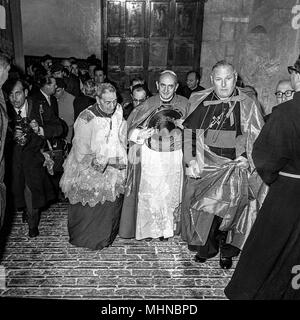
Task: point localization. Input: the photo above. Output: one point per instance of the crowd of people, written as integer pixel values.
(205, 164)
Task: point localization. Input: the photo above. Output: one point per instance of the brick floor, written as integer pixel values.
(49, 267)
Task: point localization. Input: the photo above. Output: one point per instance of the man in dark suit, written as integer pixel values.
(30, 186)
(72, 82)
(46, 115)
(192, 84)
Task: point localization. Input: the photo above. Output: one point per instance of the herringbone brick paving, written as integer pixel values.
(49, 267)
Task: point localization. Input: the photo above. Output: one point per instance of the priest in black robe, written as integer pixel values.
(269, 265)
(219, 199)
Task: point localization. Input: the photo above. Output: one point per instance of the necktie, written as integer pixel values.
(19, 114)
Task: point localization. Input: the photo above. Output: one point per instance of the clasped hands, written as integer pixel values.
(113, 162)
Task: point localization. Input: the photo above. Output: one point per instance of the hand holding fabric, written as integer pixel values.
(178, 123)
(242, 162)
(193, 170)
(146, 133)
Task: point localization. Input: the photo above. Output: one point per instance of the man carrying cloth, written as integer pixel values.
(220, 190)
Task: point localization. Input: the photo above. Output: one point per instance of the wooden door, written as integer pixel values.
(144, 37)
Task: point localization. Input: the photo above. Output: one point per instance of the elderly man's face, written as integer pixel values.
(18, 95)
(166, 87)
(107, 102)
(284, 92)
(223, 79)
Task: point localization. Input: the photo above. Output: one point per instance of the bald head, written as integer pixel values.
(167, 85)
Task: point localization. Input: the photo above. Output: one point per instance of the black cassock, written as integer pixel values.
(267, 264)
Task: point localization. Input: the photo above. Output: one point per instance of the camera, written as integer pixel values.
(21, 131)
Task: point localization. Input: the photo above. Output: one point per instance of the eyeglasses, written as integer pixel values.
(292, 69)
(287, 93)
(139, 100)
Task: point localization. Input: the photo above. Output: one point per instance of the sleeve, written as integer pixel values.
(272, 149)
(123, 133)
(50, 123)
(134, 136)
(82, 139)
(52, 126)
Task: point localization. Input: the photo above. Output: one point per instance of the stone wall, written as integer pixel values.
(257, 36)
(61, 28)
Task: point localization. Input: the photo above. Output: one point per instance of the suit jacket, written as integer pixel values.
(25, 164)
(46, 115)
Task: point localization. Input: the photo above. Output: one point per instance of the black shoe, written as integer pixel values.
(199, 259)
(34, 232)
(163, 239)
(225, 263)
(24, 216)
(148, 239)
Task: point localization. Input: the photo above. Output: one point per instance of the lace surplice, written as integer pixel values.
(102, 139)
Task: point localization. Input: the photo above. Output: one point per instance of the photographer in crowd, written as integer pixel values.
(30, 186)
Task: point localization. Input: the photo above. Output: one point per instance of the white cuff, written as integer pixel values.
(133, 136)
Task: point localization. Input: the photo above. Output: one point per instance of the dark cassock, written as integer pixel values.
(219, 207)
(271, 253)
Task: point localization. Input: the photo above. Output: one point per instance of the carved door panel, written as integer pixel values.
(144, 37)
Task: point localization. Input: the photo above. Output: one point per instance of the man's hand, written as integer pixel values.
(193, 170)
(146, 133)
(18, 133)
(178, 123)
(36, 128)
(242, 162)
(96, 165)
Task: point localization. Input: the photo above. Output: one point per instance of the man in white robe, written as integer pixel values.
(154, 183)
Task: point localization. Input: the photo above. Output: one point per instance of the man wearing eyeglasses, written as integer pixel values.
(271, 253)
(284, 91)
(138, 95)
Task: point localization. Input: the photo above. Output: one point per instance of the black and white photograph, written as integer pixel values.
(149, 155)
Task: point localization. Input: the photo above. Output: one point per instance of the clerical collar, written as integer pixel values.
(103, 113)
(234, 92)
(166, 102)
